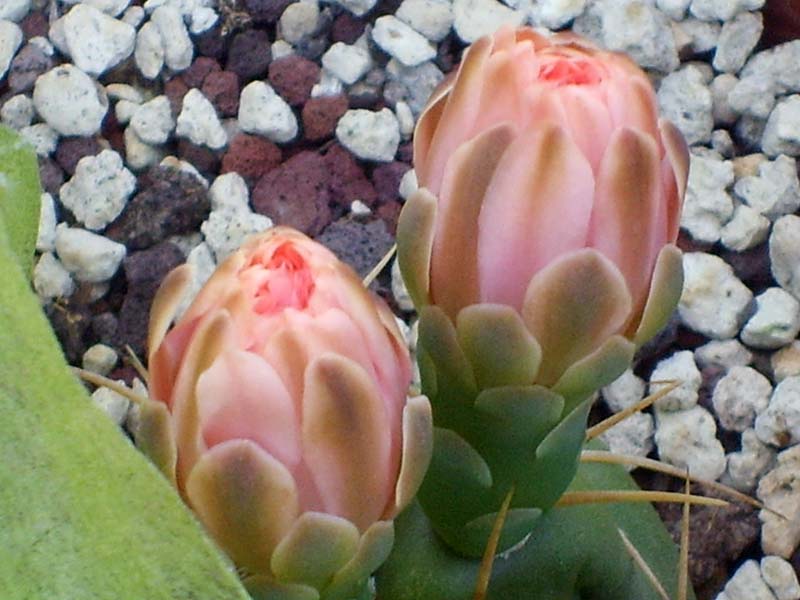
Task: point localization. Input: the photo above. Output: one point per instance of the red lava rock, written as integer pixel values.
(202, 158)
(386, 179)
(70, 324)
(347, 179)
(320, 116)
(405, 152)
(71, 150)
(197, 72)
(389, 212)
(50, 174)
(175, 89)
(346, 28)
(781, 21)
(174, 202)
(28, 64)
(35, 24)
(144, 271)
(296, 193)
(251, 157)
(266, 11)
(222, 90)
(249, 54)
(293, 77)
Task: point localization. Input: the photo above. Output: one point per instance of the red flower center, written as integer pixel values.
(568, 71)
(285, 281)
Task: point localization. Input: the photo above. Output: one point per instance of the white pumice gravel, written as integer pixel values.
(88, 256)
(739, 396)
(401, 42)
(708, 206)
(199, 123)
(263, 112)
(110, 7)
(631, 437)
(775, 191)
(99, 190)
(779, 424)
(432, 18)
(724, 354)
(149, 53)
(178, 48)
(784, 253)
(51, 279)
(10, 41)
(779, 490)
(14, 10)
(736, 40)
(688, 440)
(347, 62)
(747, 584)
(299, 21)
(229, 191)
(781, 578)
(138, 154)
(226, 229)
(100, 359)
(42, 137)
(625, 391)
(368, 134)
(70, 101)
(94, 41)
(776, 321)
(114, 405)
(17, 112)
(786, 362)
(399, 290)
(684, 99)
(746, 466)
(475, 18)
(782, 131)
(678, 367)
(714, 301)
(153, 121)
(746, 229)
(46, 235)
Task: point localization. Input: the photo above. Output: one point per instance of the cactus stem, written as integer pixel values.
(136, 363)
(100, 381)
(608, 423)
(683, 560)
(376, 270)
(603, 456)
(485, 572)
(611, 496)
(640, 562)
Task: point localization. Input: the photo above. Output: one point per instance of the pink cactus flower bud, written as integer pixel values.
(549, 184)
(285, 381)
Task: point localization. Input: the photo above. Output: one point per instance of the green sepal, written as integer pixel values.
(154, 436)
(316, 547)
(415, 228)
(665, 290)
(261, 587)
(598, 369)
(373, 550)
(498, 345)
(573, 553)
(455, 382)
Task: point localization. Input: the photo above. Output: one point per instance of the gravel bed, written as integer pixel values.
(168, 130)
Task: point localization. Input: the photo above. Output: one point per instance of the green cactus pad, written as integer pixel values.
(573, 553)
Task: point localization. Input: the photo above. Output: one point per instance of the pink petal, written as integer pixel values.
(536, 208)
(242, 397)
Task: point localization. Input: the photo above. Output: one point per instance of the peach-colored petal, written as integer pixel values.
(242, 397)
(537, 207)
(455, 243)
(589, 121)
(675, 173)
(629, 221)
(344, 441)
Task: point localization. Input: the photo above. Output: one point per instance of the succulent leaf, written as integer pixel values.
(417, 449)
(415, 229)
(373, 549)
(665, 291)
(519, 523)
(246, 498)
(499, 346)
(153, 435)
(261, 587)
(572, 306)
(314, 549)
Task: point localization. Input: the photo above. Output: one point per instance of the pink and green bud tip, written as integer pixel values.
(540, 252)
(281, 416)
